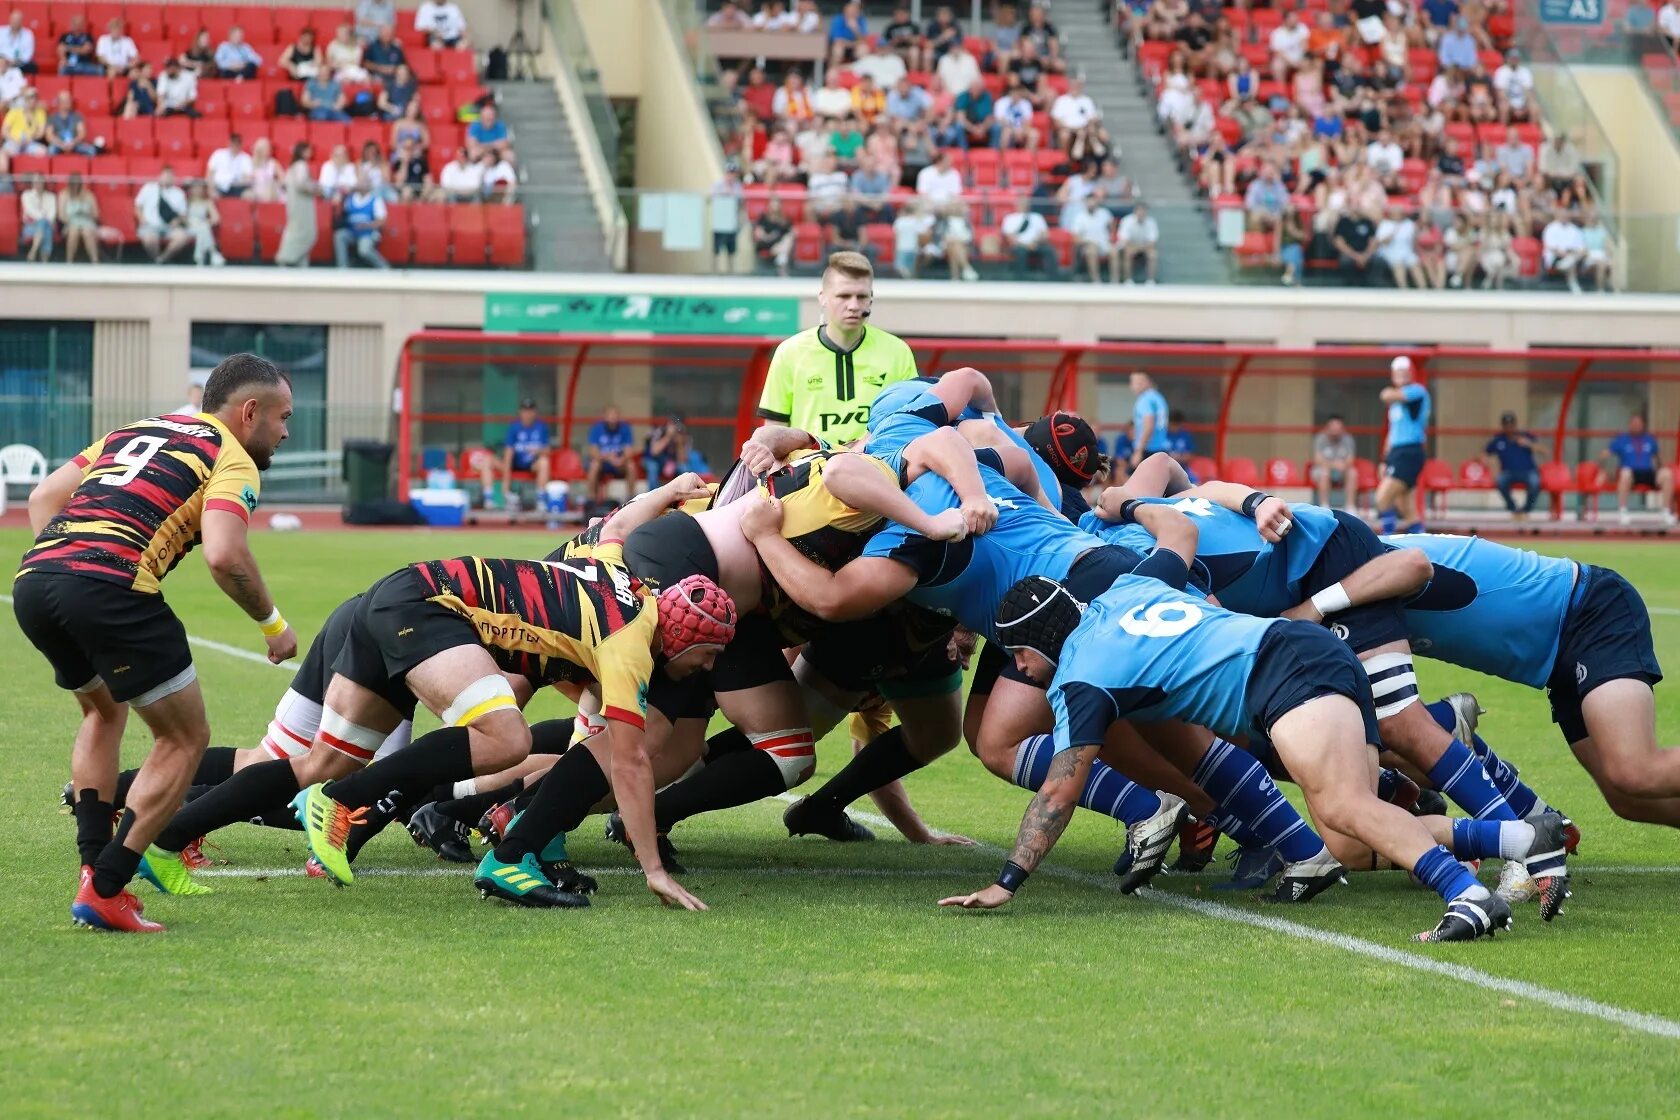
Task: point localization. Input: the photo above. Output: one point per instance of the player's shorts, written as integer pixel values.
(1606, 637)
(669, 549)
(690, 698)
(886, 654)
(1298, 662)
(609, 470)
(396, 627)
(92, 630)
(1093, 573)
(1644, 476)
(752, 658)
(1405, 463)
(297, 717)
(523, 462)
(1351, 546)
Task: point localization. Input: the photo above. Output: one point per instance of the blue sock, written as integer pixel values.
(1441, 873)
(1245, 795)
(1107, 791)
(1460, 776)
(1523, 801)
(1239, 832)
(1475, 839)
(1390, 521)
(1415, 527)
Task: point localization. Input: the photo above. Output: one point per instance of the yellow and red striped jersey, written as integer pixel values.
(582, 619)
(140, 505)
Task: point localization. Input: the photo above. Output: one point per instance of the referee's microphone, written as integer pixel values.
(865, 313)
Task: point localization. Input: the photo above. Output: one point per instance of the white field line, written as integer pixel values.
(462, 869)
(1535, 993)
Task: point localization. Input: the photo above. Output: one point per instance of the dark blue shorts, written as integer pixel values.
(1606, 637)
(1405, 463)
(523, 462)
(1352, 546)
(1298, 662)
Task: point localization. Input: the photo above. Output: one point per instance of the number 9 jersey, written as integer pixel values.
(140, 506)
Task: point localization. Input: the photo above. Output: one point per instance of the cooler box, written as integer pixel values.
(440, 507)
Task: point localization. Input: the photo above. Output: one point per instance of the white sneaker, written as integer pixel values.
(1515, 883)
(1624, 517)
(969, 274)
(217, 260)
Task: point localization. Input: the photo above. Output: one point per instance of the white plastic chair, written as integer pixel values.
(22, 465)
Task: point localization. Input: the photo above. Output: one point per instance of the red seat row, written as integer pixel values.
(564, 464)
(219, 99)
(1588, 479)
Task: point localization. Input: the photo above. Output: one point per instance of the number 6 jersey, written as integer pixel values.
(140, 506)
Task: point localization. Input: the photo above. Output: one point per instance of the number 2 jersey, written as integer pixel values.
(582, 619)
(140, 506)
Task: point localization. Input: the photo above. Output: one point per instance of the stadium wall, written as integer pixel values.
(1649, 159)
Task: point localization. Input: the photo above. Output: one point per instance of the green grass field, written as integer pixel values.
(824, 981)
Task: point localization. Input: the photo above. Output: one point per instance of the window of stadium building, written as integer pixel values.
(46, 386)
(300, 350)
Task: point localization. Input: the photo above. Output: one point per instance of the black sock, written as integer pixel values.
(124, 781)
(883, 761)
(93, 824)
(561, 801)
(469, 809)
(115, 865)
(728, 741)
(738, 778)
(255, 791)
(523, 801)
(279, 815)
(440, 757)
(394, 805)
(215, 767)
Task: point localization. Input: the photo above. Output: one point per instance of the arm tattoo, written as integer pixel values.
(1047, 817)
(246, 590)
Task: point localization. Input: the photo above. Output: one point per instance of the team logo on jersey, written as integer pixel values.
(814, 382)
(1161, 620)
(835, 419)
(1580, 673)
(249, 497)
(1194, 507)
(1339, 630)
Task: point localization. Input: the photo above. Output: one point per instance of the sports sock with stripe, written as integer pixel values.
(469, 810)
(561, 801)
(1441, 873)
(1460, 776)
(258, 790)
(1524, 801)
(1107, 791)
(438, 757)
(1487, 839)
(1246, 796)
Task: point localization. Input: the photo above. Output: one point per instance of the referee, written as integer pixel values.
(823, 380)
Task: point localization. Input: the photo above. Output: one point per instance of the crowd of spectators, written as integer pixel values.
(363, 74)
(927, 146)
(1395, 143)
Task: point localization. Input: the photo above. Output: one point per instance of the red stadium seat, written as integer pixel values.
(469, 239)
(322, 251)
(64, 166)
(458, 67)
(1282, 472)
(211, 101)
(208, 135)
(1242, 471)
(1556, 479)
(92, 95)
(146, 21)
(473, 461)
(431, 233)
(9, 225)
(566, 465)
(396, 243)
(1434, 481)
(1366, 472)
(134, 137)
(1590, 482)
(1062, 241)
(807, 244)
(236, 236)
(1473, 474)
(271, 223)
(174, 138)
(25, 166)
(1020, 168)
(984, 168)
(1528, 251)
(246, 102)
(506, 225)
(1203, 468)
(424, 62)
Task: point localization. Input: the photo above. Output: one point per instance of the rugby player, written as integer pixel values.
(1145, 648)
(110, 525)
(1403, 445)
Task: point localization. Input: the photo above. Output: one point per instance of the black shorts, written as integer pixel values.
(395, 628)
(316, 672)
(690, 698)
(1093, 573)
(724, 242)
(1405, 463)
(1350, 547)
(1297, 662)
(1644, 476)
(93, 630)
(1606, 637)
(898, 653)
(669, 549)
(753, 656)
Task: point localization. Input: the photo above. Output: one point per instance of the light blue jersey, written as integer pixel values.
(904, 411)
(1146, 651)
(1245, 571)
(1489, 607)
(967, 580)
(1150, 403)
(1047, 480)
(1408, 419)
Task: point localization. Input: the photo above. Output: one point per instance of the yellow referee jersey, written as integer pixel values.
(817, 387)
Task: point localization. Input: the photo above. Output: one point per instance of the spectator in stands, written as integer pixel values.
(1181, 443)
(872, 187)
(199, 59)
(372, 16)
(903, 38)
(1149, 418)
(845, 142)
(917, 152)
(373, 167)
(1560, 162)
(1332, 465)
(612, 453)
(843, 231)
(1027, 236)
(1078, 121)
(398, 95)
(1510, 456)
(1397, 248)
(669, 450)
(777, 162)
(1668, 23)
(344, 55)
(23, 129)
(1028, 66)
(78, 209)
(266, 172)
(1092, 228)
(1513, 82)
(489, 132)
(1494, 251)
(868, 100)
(12, 81)
(1288, 45)
(176, 91)
(1192, 132)
(758, 94)
(525, 448)
(76, 57)
(160, 212)
(957, 69)
(323, 98)
(17, 43)
(1639, 463)
(40, 215)
(1515, 158)
(202, 220)
(805, 18)
(1385, 158)
(848, 34)
(940, 183)
(944, 34)
(1562, 249)
(364, 218)
(1071, 195)
(338, 174)
(141, 100)
(1596, 238)
(952, 241)
(115, 50)
(1139, 236)
(1266, 199)
(774, 16)
(1041, 33)
(826, 186)
(912, 230)
(729, 17)
(1119, 192)
(792, 102)
(67, 130)
(773, 236)
(831, 100)
(907, 103)
(235, 58)
(230, 169)
(1457, 47)
(1012, 118)
(499, 177)
(410, 174)
(1355, 242)
(974, 117)
(442, 23)
(724, 214)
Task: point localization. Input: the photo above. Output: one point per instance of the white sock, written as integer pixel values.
(1515, 838)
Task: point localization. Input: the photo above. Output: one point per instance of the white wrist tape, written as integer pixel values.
(1332, 599)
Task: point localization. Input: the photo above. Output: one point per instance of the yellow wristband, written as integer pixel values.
(273, 624)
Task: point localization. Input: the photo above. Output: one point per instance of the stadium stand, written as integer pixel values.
(126, 138)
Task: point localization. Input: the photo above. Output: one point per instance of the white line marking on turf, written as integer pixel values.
(463, 869)
(1548, 997)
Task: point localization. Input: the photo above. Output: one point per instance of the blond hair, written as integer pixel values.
(853, 266)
